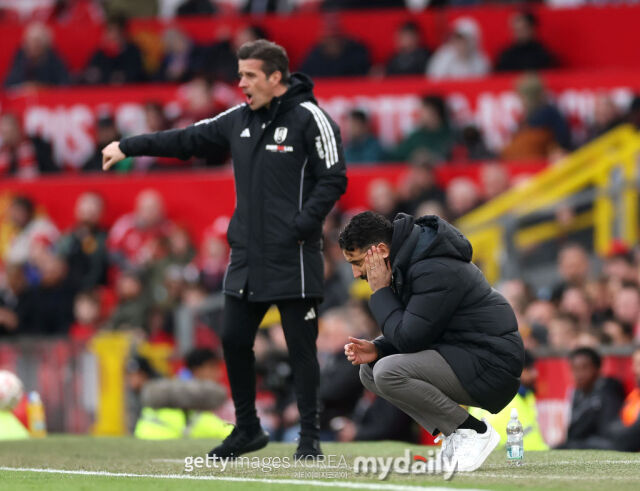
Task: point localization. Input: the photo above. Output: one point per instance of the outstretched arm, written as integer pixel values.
(198, 140)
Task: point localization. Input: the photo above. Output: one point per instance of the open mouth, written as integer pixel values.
(249, 98)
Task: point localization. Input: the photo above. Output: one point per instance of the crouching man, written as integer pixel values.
(447, 337)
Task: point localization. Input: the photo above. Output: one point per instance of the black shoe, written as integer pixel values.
(308, 448)
(240, 441)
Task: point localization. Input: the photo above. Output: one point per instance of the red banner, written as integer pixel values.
(66, 117)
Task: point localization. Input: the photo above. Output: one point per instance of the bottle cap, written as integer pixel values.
(514, 413)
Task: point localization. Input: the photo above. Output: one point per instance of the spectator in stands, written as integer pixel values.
(626, 305)
(129, 9)
(495, 180)
(31, 233)
(36, 62)
(410, 56)
(606, 116)
(575, 301)
(131, 312)
(76, 12)
(138, 372)
(526, 52)
(461, 56)
(563, 332)
(340, 387)
(21, 155)
(573, 267)
(362, 146)
(470, 145)
(595, 404)
(132, 238)
(84, 247)
(86, 311)
(432, 133)
(633, 115)
(220, 62)
(432, 208)
(52, 297)
(617, 333)
(181, 60)
(462, 197)
(106, 131)
(543, 130)
(196, 7)
(419, 184)
(382, 198)
(16, 302)
(118, 60)
(336, 55)
(625, 434)
(213, 256)
(376, 419)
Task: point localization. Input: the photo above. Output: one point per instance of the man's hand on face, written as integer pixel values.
(360, 351)
(378, 269)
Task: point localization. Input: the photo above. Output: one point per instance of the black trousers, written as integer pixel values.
(300, 326)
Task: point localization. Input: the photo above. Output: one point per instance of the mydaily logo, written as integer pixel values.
(434, 463)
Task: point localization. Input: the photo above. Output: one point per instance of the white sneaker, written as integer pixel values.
(471, 449)
(446, 449)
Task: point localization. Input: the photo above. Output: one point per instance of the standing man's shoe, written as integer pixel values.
(472, 448)
(308, 447)
(240, 442)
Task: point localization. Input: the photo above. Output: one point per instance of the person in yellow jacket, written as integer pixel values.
(182, 408)
(10, 427)
(525, 403)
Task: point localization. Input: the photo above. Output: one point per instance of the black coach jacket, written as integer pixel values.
(289, 171)
(440, 300)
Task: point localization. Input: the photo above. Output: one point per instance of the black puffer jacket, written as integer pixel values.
(440, 300)
(289, 171)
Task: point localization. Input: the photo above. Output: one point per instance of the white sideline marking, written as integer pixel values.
(295, 482)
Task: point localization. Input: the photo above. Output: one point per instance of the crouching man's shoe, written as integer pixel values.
(239, 442)
(308, 448)
(471, 448)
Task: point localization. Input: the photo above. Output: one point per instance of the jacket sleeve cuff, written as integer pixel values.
(124, 147)
(382, 304)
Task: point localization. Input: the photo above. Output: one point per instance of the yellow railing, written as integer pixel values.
(593, 166)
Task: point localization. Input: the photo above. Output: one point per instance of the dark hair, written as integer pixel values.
(365, 229)
(198, 357)
(438, 104)
(256, 31)
(359, 115)
(528, 17)
(589, 353)
(139, 363)
(273, 56)
(411, 27)
(24, 203)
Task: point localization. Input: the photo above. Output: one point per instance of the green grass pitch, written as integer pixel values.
(126, 463)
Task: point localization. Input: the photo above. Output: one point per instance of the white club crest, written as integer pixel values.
(280, 134)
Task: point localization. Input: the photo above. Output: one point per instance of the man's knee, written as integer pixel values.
(366, 375)
(388, 374)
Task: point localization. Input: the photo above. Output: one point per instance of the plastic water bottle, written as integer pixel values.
(515, 434)
(35, 416)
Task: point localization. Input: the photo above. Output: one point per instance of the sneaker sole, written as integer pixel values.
(493, 443)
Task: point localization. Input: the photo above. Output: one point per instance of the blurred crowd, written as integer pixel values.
(119, 58)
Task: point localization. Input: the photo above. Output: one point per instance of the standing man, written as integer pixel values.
(447, 339)
(289, 171)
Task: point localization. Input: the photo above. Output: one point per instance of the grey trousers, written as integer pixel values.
(421, 384)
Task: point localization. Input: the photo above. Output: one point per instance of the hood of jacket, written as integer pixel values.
(427, 237)
(300, 90)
